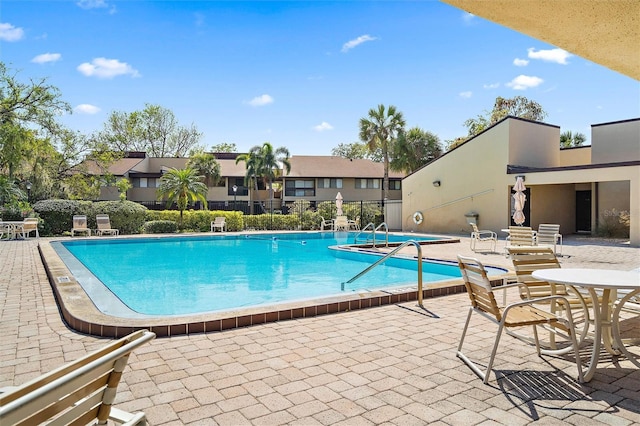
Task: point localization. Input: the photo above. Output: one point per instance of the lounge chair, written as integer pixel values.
(482, 236)
(549, 234)
(520, 314)
(341, 223)
(354, 224)
(80, 392)
(80, 225)
(104, 225)
(220, 223)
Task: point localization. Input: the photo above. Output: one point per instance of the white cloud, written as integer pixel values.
(491, 86)
(261, 100)
(46, 57)
(92, 4)
(10, 33)
(86, 109)
(466, 94)
(468, 17)
(520, 62)
(558, 56)
(107, 68)
(357, 41)
(322, 127)
(523, 82)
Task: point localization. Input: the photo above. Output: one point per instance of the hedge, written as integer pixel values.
(57, 215)
(160, 227)
(198, 220)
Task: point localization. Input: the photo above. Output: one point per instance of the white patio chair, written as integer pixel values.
(220, 223)
(520, 314)
(549, 235)
(482, 236)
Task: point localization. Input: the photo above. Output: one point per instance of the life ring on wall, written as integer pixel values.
(418, 218)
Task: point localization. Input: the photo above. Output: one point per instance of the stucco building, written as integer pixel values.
(582, 189)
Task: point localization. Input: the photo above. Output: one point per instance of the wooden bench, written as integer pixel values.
(80, 392)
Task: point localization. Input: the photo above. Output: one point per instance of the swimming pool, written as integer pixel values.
(188, 275)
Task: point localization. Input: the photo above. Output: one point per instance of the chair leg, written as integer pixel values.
(463, 357)
(493, 352)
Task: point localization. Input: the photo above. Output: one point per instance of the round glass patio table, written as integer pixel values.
(606, 282)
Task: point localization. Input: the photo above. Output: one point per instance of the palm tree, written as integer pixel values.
(207, 166)
(251, 175)
(569, 139)
(270, 165)
(414, 149)
(379, 131)
(182, 186)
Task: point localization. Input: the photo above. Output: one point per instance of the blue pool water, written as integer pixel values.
(187, 275)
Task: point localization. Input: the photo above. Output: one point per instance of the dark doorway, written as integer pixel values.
(583, 211)
(525, 211)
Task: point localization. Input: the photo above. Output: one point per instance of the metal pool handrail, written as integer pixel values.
(387, 256)
(373, 231)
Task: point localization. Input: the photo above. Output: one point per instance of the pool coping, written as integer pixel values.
(80, 313)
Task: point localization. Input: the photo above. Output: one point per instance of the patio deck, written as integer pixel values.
(392, 364)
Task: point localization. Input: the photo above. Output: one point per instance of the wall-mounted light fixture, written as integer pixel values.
(520, 176)
(436, 183)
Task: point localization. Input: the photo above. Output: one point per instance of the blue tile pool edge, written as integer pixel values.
(82, 315)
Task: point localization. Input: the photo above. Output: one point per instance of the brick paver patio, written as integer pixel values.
(393, 364)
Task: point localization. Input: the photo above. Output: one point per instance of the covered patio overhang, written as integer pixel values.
(606, 32)
(592, 174)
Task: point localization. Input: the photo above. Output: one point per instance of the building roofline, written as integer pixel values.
(514, 169)
(616, 122)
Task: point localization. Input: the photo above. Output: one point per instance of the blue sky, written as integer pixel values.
(298, 74)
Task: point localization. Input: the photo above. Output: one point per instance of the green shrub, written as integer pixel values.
(274, 222)
(160, 227)
(126, 216)
(198, 220)
(57, 215)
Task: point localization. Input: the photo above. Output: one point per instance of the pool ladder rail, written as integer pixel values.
(373, 231)
(389, 255)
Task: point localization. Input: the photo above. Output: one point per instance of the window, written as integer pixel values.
(239, 183)
(395, 185)
(299, 188)
(152, 183)
(367, 183)
(329, 183)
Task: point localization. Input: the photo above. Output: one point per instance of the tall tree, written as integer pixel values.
(28, 117)
(250, 160)
(224, 147)
(379, 130)
(154, 130)
(271, 162)
(569, 139)
(206, 165)
(518, 106)
(357, 151)
(182, 186)
(414, 149)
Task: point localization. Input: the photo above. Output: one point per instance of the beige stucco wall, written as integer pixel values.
(472, 179)
(615, 142)
(575, 156)
(533, 144)
(553, 204)
(612, 200)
